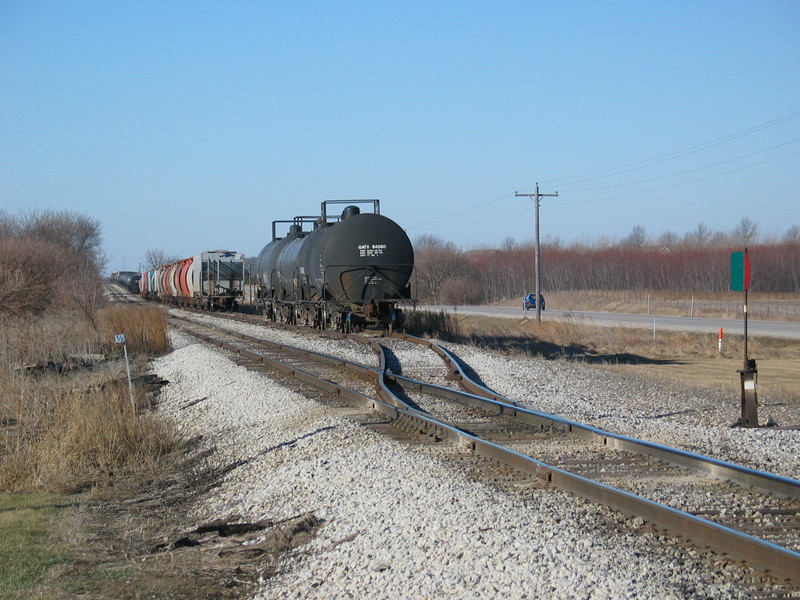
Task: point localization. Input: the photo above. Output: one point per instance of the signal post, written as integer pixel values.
(748, 375)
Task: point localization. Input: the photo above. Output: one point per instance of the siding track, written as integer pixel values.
(749, 515)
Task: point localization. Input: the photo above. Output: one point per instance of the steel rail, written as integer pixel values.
(491, 401)
(781, 562)
(326, 358)
(300, 374)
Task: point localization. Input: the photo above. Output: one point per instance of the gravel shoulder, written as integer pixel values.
(400, 522)
(675, 414)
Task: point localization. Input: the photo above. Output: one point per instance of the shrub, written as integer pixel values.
(64, 425)
(145, 327)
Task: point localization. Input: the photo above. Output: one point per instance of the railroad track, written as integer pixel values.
(116, 293)
(749, 515)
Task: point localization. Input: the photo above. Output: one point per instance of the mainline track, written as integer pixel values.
(754, 515)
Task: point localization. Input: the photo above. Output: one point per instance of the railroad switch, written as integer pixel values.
(453, 375)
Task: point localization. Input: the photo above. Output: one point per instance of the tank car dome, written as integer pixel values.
(350, 211)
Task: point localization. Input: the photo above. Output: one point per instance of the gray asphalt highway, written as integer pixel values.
(784, 329)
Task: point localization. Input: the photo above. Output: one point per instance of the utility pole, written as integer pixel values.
(536, 195)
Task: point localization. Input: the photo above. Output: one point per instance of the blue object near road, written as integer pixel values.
(529, 301)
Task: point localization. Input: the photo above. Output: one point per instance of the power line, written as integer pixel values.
(649, 191)
(684, 172)
(501, 216)
(448, 218)
(670, 156)
(449, 223)
(469, 225)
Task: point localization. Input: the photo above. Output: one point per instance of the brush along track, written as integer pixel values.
(586, 461)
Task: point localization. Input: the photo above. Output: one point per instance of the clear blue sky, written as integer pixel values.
(186, 126)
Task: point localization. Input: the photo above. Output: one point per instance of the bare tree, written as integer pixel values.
(700, 237)
(437, 262)
(637, 238)
(745, 233)
(73, 232)
(668, 239)
(155, 258)
(721, 239)
(792, 234)
(508, 244)
(83, 288)
(552, 243)
(8, 225)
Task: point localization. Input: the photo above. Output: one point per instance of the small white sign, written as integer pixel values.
(119, 338)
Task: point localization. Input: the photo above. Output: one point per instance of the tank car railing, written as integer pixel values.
(299, 221)
(376, 206)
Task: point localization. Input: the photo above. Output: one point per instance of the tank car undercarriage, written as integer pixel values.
(331, 315)
(212, 303)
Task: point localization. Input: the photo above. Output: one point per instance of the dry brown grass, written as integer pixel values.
(433, 324)
(576, 339)
(145, 327)
(66, 423)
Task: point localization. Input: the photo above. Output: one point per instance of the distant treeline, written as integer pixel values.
(447, 275)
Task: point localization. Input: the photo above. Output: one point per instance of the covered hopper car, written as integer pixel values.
(211, 280)
(344, 271)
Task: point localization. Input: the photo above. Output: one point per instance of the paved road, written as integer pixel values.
(785, 329)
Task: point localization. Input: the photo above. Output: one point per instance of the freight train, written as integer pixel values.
(127, 279)
(337, 271)
(211, 280)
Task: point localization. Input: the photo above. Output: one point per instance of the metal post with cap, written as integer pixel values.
(748, 375)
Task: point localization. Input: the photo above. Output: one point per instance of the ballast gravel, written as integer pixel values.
(400, 522)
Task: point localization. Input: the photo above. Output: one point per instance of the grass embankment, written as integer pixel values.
(68, 422)
(26, 551)
(685, 357)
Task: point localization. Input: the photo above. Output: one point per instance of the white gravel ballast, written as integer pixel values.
(399, 521)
